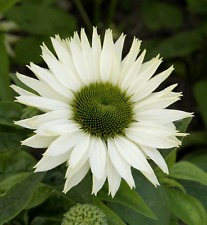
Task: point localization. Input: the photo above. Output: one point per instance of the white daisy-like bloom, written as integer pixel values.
(100, 112)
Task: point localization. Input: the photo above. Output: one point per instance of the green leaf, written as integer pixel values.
(129, 198)
(82, 192)
(128, 215)
(198, 158)
(40, 194)
(173, 220)
(68, 203)
(196, 190)
(44, 2)
(156, 198)
(12, 163)
(10, 141)
(18, 196)
(187, 208)
(112, 218)
(188, 171)
(171, 158)
(5, 90)
(161, 15)
(30, 16)
(167, 182)
(55, 178)
(200, 93)
(52, 207)
(198, 6)
(196, 139)
(179, 45)
(7, 4)
(11, 181)
(39, 220)
(9, 112)
(28, 50)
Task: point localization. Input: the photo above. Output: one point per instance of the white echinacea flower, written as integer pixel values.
(100, 111)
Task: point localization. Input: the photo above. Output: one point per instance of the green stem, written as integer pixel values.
(83, 14)
(112, 8)
(97, 11)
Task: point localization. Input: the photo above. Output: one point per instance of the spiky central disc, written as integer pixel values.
(102, 109)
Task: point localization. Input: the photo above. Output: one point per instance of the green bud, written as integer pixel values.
(86, 214)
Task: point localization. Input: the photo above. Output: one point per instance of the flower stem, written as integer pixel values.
(112, 8)
(97, 11)
(83, 13)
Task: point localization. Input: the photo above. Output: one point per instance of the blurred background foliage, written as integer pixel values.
(175, 29)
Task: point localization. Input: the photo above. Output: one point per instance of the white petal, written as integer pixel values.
(143, 76)
(106, 57)
(152, 84)
(26, 122)
(159, 99)
(41, 87)
(97, 157)
(44, 104)
(150, 138)
(61, 49)
(132, 154)
(119, 46)
(152, 178)
(161, 115)
(98, 183)
(154, 142)
(121, 165)
(96, 52)
(129, 77)
(155, 102)
(155, 155)
(21, 91)
(80, 151)
(64, 143)
(71, 171)
(79, 61)
(51, 116)
(46, 76)
(34, 84)
(57, 127)
(152, 128)
(36, 121)
(48, 163)
(39, 141)
(74, 180)
(114, 178)
(65, 74)
(116, 68)
(146, 72)
(87, 56)
(130, 57)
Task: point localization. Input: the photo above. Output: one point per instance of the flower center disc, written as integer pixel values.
(102, 109)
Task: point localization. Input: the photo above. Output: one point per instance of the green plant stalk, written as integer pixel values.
(97, 11)
(83, 14)
(112, 7)
(5, 90)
